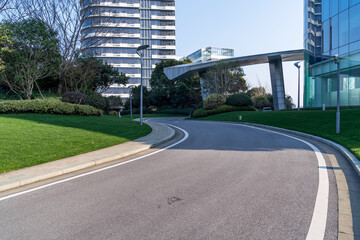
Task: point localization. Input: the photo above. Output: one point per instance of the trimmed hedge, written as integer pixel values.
(214, 100)
(47, 106)
(239, 100)
(222, 109)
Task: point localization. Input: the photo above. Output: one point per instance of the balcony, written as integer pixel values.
(110, 14)
(163, 37)
(119, 45)
(163, 27)
(164, 57)
(110, 4)
(163, 47)
(107, 35)
(156, 17)
(119, 55)
(126, 65)
(169, 8)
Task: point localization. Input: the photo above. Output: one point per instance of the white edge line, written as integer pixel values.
(98, 170)
(319, 218)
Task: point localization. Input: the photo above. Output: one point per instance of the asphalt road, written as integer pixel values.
(222, 182)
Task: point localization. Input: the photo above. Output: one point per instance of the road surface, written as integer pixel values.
(223, 181)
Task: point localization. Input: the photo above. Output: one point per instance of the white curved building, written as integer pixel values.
(113, 29)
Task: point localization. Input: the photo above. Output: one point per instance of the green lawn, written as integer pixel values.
(31, 139)
(319, 123)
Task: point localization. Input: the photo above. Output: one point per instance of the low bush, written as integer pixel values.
(171, 110)
(213, 101)
(73, 97)
(222, 109)
(115, 101)
(97, 101)
(113, 113)
(239, 100)
(47, 106)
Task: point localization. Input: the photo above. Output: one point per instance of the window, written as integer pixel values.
(355, 23)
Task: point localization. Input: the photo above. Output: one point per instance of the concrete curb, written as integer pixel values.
(160, 134)
(348, 155)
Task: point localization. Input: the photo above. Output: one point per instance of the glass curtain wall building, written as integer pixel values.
(332, 28)
(210, 53)
(113, 29)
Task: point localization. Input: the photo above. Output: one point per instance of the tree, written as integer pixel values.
(66, 18)
(3, 4)
(256, 91)
(135, 94)
(33, 55)
(92, 74)
(224, 78)
(176, 93)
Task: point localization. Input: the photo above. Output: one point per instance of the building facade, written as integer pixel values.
(210, 53)
(114, 29)
(332, 28)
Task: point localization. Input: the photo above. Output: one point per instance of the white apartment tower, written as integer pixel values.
(113, 29)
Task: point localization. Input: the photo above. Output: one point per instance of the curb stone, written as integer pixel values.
(348, 155)
(160, 134)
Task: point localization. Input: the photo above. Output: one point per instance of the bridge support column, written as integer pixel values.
(277, 83)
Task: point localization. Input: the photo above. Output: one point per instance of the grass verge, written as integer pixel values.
(319, 123)
(31, 139)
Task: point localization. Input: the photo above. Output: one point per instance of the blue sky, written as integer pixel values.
(248, 26)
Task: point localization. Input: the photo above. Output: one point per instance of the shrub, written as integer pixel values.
(213, 101)
(172, 110)
(73, 97)
(47, 106)
(97, 101)
(115, 101)
(113, 113)
(222, 109)
(239, 100)
(261, 101)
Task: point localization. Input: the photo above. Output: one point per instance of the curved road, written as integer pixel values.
(223, 182)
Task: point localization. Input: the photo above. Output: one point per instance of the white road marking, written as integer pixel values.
(319, 218)
(99, 170)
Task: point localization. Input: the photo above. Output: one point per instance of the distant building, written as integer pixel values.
(113, 29)
(210, 53)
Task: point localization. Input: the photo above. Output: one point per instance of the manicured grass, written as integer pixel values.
(31, 139)
(319, 123)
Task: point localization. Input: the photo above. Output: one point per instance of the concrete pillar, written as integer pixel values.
(204, 92)
(277, 83)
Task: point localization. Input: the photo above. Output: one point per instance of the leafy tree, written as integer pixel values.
(91, 74)
(256, 91)
(33, 55)
(261, 101)
(225, 78)
(135, 94)
(176, 93)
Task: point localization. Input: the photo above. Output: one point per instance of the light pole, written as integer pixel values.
(298, 67)
(143, 47)
(130, 97)
(336, 58)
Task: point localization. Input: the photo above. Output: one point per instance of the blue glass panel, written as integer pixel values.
(344, 28)
(326, 36)
(355, 23)
(335, 32)
(353, 2)
(343, 4)
(325, 10)
(334, 7)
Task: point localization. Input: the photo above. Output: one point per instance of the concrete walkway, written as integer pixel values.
(160, 134)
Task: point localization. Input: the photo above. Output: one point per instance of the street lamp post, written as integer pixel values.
(298, 67)
(336, 58)
(143, 47)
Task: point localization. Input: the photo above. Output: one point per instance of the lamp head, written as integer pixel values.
(142, 47)
(297, 65)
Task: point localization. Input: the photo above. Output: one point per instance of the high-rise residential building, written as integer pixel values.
(210, 53)
(332, 29)
(113, 29)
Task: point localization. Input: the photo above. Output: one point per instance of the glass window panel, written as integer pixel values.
(353, 2)
(344, 28)
(343, 4)
(334, 7)
(355, 23)
(335, 32)
(325, 10)
(326, 34)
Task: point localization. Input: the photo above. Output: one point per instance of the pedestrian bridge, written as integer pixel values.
(274, 60)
